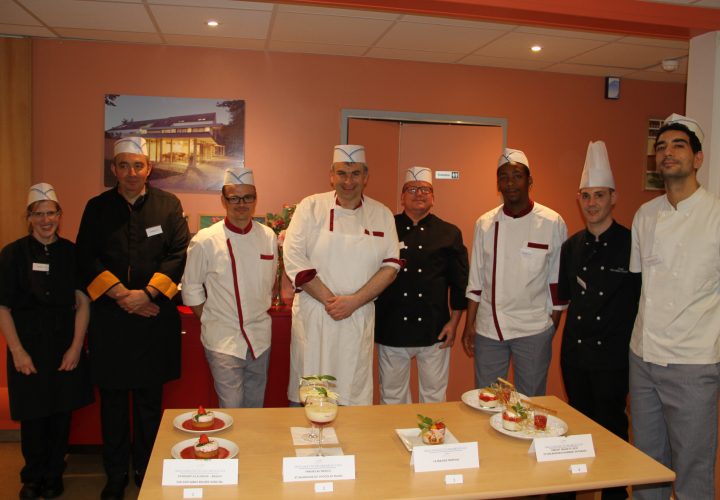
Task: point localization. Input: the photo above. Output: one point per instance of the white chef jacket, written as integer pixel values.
(514, 270)
(678, 253)
(344, 248)
(239, 285)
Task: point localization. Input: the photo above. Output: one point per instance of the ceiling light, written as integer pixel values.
(536, 48)
(213, 23)
(670, 65)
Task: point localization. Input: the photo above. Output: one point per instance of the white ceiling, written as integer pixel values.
(319, 30)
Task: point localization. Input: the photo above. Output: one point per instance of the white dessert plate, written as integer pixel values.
(228, 449)
(472, 399)
(411, 437)
(181, 422)
(555, 427)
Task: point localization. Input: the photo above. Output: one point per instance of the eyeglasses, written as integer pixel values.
(247, 199)
(50, 214)
(418, 189)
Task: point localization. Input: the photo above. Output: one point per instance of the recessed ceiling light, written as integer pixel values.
(212, 23)
(536, 48)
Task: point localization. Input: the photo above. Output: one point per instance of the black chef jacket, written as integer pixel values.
(139, 245)
(603, 295)
(414, 308)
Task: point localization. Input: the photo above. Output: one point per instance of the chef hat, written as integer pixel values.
(42, 192)
(134, 145)
(597, 171)
(513, 155)
(238, 175)
(691, 124)
(349, 153)
(423, 174)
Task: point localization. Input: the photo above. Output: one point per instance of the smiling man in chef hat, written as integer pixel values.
(603, 297)
(412, 316)
(674, 358)
(513, 308)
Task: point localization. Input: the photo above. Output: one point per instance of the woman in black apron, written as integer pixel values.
(43, 317)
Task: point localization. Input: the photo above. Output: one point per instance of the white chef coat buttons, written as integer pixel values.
(579, 341)
(602, 268)
(407, 228)
(419, 294)
(404, 318)
(584, 268)
(599, 342)
(405, 269)
(597, 318)
(601, 294)
(405, 294)
(419, 270)
(422, 229)
(419, 319)
(420, 247)
(582, 292)
(579, 317)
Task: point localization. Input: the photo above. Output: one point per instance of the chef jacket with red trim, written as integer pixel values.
(514, 271)
(232, 271)
(320, 212)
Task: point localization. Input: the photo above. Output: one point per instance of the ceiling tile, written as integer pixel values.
(215, 41)
(192, 21)
(324, 11)
(627, 56)
(223, 4)
(503, 62)
(292, 27)
(110, 36)
(555, 49)
(12, 13)
(317, 48)
(412, 55)
(431, 38)
(586, 35)
(91, 15)
(584, 69)
(19, 30)
(656, 42)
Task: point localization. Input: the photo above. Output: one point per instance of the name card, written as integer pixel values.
(199, 472)
(563, 448)
(318, 468)
(445, 457)
(447, 174)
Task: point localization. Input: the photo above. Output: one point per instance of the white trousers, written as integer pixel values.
(394, 367)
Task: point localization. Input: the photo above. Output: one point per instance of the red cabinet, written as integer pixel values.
(195, 386)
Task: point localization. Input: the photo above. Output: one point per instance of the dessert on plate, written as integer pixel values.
(431, 431)
(514, 417)
(488, 397)
(206, 447)
(203, 419)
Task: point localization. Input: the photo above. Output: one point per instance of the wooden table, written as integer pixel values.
(382, 462)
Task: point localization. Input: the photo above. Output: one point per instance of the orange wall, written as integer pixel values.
(293, 119)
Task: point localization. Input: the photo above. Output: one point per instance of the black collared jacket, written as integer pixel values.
(603, 294)
(412, 311)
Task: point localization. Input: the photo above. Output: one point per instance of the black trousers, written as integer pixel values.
(44, 443)
(602, 396)
(115, 419)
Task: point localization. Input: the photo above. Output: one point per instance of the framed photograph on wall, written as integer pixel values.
(652, 180)
(190, 141)
(208, 220)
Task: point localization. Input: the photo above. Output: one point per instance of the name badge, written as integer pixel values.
(152, 231)
(41, 266)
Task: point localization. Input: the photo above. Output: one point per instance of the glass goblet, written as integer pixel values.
(320, 410)
(306, 388)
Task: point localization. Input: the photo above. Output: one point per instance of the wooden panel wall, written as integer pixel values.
(15, 135)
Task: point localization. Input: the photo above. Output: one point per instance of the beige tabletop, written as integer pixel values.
(382, 463)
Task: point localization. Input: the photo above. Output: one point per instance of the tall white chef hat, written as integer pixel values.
(238, 175)
(596, 171)
(349, 153)
(691, 124)
(423, 174)
(42, 192)
(134, 145)
(513, 155)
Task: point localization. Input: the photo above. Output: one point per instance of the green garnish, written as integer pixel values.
(322, 391)
(425, 423)
(520, 410)
(318, 377)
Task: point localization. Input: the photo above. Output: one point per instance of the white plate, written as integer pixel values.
(231, 447)
(555, 427)
(411, 437)
(180, 419)
(472, 399)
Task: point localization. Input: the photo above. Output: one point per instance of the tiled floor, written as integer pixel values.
(84, 477)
